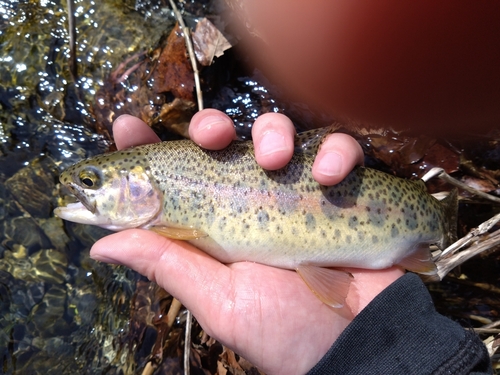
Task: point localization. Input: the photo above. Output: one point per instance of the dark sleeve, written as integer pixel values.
(400, 332)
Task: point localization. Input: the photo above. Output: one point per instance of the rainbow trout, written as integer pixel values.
(225, 204)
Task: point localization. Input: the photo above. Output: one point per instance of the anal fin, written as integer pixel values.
(184, 234)
(420, 261)
(329, 285)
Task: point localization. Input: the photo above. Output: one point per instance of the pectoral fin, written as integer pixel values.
(420, 261)
(184, 234)
(330, 286)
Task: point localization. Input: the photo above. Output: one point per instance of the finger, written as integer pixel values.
(211, 129)
(130, 131)
(337, 156)
(273, 135)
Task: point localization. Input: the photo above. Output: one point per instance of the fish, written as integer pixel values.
(225, 204)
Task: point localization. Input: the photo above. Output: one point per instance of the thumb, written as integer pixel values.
(191, 276)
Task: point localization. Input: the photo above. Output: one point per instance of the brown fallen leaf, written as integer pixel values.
(410, 156)
(480, 172)
(208, 42)
(175, 116)
(173, 73)
(479, 184)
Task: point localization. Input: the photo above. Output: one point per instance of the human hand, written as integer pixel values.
(265, 314)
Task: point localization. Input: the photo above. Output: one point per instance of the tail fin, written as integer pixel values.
(450, 211)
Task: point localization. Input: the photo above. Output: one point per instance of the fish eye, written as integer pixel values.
(90, 178)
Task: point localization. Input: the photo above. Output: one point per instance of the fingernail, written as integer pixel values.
(209, 123)
(103, 258)
(271, 142)
(330, 164)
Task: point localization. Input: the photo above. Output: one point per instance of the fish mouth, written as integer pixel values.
(83, 212)
(82, 198)
(75, 212)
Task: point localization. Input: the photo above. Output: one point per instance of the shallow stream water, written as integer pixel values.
(60, 312)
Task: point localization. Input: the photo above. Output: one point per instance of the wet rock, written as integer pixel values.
(26, 231)
(47, 317)
(50, 266)
(32, 187)
(53, 228)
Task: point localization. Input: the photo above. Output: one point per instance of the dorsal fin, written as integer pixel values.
(309, 141)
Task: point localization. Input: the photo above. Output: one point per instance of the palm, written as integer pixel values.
(269, 313)
(265, 314)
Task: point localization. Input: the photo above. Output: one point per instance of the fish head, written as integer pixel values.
(112, 193)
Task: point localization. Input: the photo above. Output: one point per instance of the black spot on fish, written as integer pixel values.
(353, 221)
(394, 231)
(263, 217)
(222, 223)
(310, 222)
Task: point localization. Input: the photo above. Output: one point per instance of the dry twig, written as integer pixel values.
(192, 57)
(199, 96)
(476, 241)
(172, 313)
(72, 39)
(439, 172)
(474, 245)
